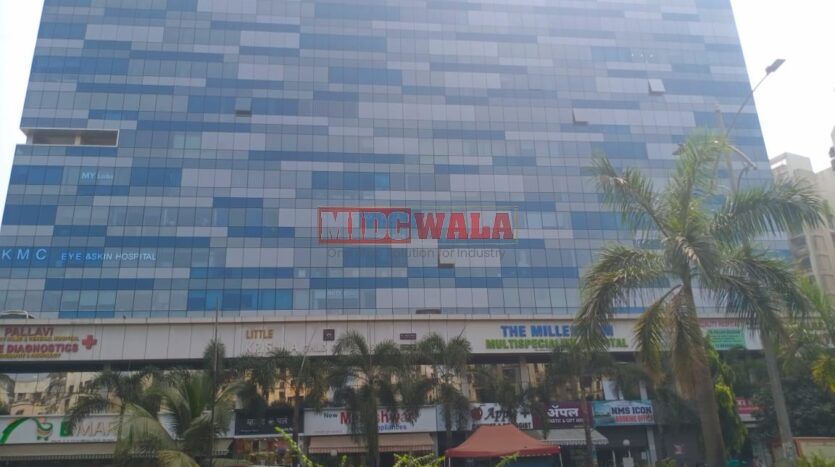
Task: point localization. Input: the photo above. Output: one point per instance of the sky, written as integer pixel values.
(796, 104)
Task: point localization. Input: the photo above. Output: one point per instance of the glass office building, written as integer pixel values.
(188, 156)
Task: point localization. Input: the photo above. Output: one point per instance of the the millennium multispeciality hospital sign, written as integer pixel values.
(373, 225)
(540, 337)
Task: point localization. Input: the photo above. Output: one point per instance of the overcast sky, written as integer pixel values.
(796, 105)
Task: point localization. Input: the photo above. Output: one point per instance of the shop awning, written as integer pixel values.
(501, 440)
(57, 451)
(221, 447)
(75, 451)
(570, 437)
(406, 442)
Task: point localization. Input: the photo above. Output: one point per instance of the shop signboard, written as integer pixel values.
(492, 414)
(539, 336)
(54, 429)
(724, 334)
(561, 415)
(43, 342)
(338, 421)
(178, 339)
(264, 423)
(746, 408)
(726, 338)
(618, 413)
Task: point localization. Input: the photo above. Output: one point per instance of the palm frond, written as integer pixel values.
(143, 433)
(174, 458)
(630, 192)
(691, 250)
(693, 179)
(650, 333)
(779, 207)
(823, 371)
(608, 284)
(84, 406)
(758, 289)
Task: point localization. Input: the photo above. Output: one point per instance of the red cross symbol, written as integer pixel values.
(89, 342)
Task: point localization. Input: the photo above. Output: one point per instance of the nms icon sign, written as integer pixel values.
(372, 225)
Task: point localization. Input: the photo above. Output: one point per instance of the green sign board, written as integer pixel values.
(726, 338)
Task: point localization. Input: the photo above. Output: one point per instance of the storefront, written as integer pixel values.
(46, 440)
(328, 437)
(257, 436)
(565, 429)
(627, 425)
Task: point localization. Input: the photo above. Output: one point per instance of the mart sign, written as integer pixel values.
(54, 429)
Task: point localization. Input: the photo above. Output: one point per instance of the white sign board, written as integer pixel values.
(338, 422)
(492, 414)
(182, 338)
(53, 429)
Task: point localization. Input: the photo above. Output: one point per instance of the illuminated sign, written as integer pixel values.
(399, 225)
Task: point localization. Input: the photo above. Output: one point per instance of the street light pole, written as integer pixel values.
(769, 350)
(726, 131)
(214, 392)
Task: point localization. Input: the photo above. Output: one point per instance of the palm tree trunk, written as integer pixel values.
(591, 459)
(704, 390)
(448, 424)
(709, 416)
(297, 402)
(783, 425)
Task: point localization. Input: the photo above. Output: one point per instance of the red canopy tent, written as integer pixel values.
(499, 441)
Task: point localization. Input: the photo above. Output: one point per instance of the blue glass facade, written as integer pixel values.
(236, 120)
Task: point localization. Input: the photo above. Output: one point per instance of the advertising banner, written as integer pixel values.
(492, 414)
(249, 424)
(562, 415)
(54, 429)
(338, 422)
(616, 413)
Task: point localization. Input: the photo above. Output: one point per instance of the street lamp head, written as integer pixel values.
(774, 66)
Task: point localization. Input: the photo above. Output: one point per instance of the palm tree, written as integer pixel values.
(307, 377)
(689, 239)
(449, 365)
(198, 405)
(117, 390)
(570, 373)
(367, 378)
(811, 340)
(493, 385)
(187, 400)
